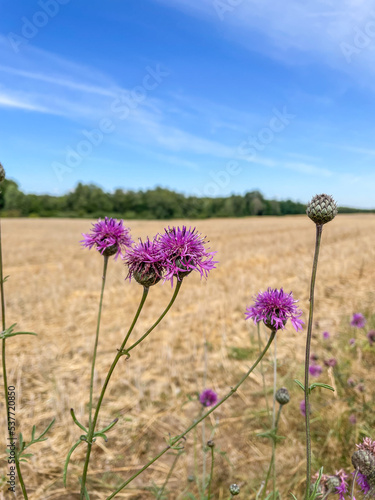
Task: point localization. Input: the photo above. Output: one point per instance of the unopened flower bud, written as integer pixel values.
(210, 443)
(364, 461)
(282, 396)
(322, 209)
(234, 489)
(333, 482)
(2, 173)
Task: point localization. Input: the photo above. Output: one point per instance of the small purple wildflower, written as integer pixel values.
(208, 397)
(358, 320)
(362, 483)
(331, 362)
(351, 382)
(145, 262)
(343, 488)
(326, 335)
(302, 407)
(315, 370)
(109, 237)
(274, 308)
(352, 419)
(360, 387)
(184, 252)
(314, 357)
(371, 336)
(351, 341)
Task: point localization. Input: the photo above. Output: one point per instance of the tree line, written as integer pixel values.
(159, 203)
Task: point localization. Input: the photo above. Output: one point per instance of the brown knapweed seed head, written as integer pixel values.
(322, 209)
(282, 396)
(2, 173)
(364, 461)
(210, 443)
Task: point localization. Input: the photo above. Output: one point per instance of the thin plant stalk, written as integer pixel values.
(262, 372)
(319, 229)
(168, 475)
(120, 353)
(203, 423)
(5, 378)
(105, 265)
(211, 473)
(264, 486)
(273, 460)
(178, 438)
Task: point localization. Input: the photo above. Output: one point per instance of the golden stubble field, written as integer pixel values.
(54, 288)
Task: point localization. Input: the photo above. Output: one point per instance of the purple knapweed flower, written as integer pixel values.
(351, 382)
(371, 336)
(184, 251)
(326, 335)
(145, 262)
(274, 307)
(315, 370)
(302, 407)
(362, 483)
(352, 419)
(351, 341)
(208, 397)
(330, 362)
(109, 237)
(363, 460)
(358, 320)
(314, 357)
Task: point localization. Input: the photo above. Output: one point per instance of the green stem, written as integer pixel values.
(178, 286)
(272, 457)
(319, 229)
(92, 426)
(263, 377)
(211, 473)
(5, 378)
(196, 422)
(274, 417)
(105, 265)
(168, 475)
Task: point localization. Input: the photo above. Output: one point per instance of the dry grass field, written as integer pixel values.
(54, 289)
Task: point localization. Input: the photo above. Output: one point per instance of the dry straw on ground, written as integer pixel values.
(53, 290)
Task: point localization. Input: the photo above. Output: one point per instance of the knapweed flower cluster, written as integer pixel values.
(208, 397)
(274, 307)
(184, 251)
(363, 460)
(358, 320)
(174, 254)
(332, 484)
(109, 237)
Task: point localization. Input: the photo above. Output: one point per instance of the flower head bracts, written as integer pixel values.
(184, 251)
(274, 307)
(363, 460)
(109, 237)
(145, 262)
(333, 484)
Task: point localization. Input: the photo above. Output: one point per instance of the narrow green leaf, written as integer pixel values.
(75, 420)
(65, 473)
(319, 384)
(46, 429)
(110, 425)
(299, 384)
(316, 485)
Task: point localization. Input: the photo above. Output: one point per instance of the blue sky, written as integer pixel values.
(206, 97)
